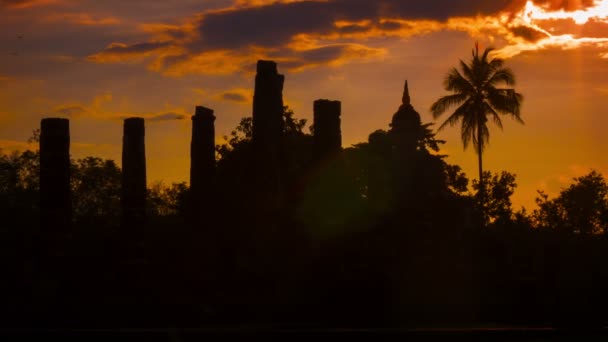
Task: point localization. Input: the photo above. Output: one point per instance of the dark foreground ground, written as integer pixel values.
(174, 335)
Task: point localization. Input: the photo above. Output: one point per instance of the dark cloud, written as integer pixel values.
(310, 32)
(70, 111)
(390, 25)
(17, 3)
(354, 28)
(276, 24)
(528, 33)
(169, 116)
(9, 3)
(234, 97)
(261, 26)
(334, 52)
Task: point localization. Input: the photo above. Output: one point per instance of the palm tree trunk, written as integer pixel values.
(479, 152)
(481, 180)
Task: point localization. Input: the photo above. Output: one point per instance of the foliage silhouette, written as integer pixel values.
(582, 208)
(498, 189)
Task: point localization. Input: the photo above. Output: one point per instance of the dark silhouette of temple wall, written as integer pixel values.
(202, 161)
(268, 127)
(133, 172)
(55, 201)
(327, 133)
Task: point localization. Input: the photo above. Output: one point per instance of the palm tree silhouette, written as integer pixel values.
(477, 94)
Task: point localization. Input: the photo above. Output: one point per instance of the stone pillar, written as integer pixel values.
(133, 172)
(55, 198)
(327, 134)
(202, 160)
(268, 127)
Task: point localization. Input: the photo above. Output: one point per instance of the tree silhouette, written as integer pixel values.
(498, 189)
(477, 94)
(96, 188)
(166, 200)
(582, 208)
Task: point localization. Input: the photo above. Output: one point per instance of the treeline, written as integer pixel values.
(360, 241)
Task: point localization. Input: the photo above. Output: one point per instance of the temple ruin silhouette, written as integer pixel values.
(289, 233)
(268, 153)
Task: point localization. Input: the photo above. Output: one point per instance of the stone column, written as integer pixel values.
(268, 127)
(55, 198)
(133, 172)
(327, 134)
(202, 161)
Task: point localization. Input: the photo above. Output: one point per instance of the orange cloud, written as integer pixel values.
(258, 3)
(82, 19)
(78, 110)
(98, 110)
(121, 53)
(229, 40)
(332, 55)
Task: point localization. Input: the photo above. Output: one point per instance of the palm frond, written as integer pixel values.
(457, 83)
(467, 71)
(468, 131)
(496, 63)
(474, 91)
(446, 102)
(492, 112)
(460, 113)
(486, 53)
(502, 75)
(506, 101)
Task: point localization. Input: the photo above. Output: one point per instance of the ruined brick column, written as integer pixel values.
(55, 200)
(268, 128)
(202, 161)
(327, 134)
(133, 172)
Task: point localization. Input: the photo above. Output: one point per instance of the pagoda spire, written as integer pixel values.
(406, 95)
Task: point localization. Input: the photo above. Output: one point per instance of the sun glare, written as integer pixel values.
(598, 12)
(542, 19)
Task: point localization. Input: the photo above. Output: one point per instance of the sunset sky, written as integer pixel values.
(97, 62)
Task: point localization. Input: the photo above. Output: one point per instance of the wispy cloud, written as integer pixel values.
(84, 19)
(20, 4)
(70, 111)
(235, 95)
(168, 116)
